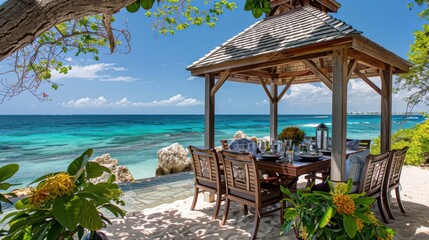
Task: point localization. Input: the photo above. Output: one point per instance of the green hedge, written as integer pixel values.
(417, 138)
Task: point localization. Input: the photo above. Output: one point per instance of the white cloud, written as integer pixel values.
(191, 78)
(98, 71)
(119, 79)
(263, 102)
(307, 94)
(176, 100)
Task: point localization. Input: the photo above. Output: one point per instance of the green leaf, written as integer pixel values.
(94, 170)
(147, 4)
(290, 213)
(249, 5)
(8, 171)
(22, 204)
(78, 165)
(368, 201)
(329, 213)
(117, 211)
(257, 12)
(133, 7)
(350, 225)
(68, 211)
(90, 217)
(54, 231)
(362, 216)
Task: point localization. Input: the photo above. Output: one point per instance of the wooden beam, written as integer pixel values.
(386, 110)
(366, 60)
(209, 118)
(223, 76)
(374, 50)
(312, 66)
(368, 81)
(264, 85)
(351, 68)
(294, 74)
(273, 113)
(339, 115)
(289, 83)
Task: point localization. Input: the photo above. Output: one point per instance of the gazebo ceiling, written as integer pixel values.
(296, 45)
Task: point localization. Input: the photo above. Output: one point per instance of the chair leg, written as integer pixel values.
(194, 202)
(381, 209)
(225, 214)
(245, 210)
(255, 224)
(282, 211)
(398, 198)
(218, 202)
(386, 203)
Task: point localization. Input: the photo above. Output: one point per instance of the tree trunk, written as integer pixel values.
(22, 21)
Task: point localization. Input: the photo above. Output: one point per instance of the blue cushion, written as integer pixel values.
(354, 165)
(353, 144)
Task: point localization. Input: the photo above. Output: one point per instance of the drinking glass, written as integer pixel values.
(280, 148)
(289, 149)
(262, 147)
(274, 146)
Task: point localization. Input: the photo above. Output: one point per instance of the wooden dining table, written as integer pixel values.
(291, 171)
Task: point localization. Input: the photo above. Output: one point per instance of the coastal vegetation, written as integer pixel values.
(67, 203)
(416, 138)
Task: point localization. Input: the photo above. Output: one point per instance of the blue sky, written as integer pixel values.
(152, 79)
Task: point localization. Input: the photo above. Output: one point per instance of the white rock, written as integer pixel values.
(121, 172)
(239, 135)
(173, 159)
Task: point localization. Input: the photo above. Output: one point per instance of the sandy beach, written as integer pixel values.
(175, 220)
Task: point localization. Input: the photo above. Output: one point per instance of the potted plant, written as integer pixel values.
(67, 203)
(293, 133)
(337, 214)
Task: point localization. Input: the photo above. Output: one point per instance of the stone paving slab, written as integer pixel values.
(151, 192)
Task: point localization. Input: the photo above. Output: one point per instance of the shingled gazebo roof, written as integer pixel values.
(278, 41)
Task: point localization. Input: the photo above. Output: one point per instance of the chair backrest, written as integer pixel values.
(224, 144)
(373, 173)
(205, 164)
(241, 177)
(238, 144)
(395, 166)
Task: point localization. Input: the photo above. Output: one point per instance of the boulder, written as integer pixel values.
(173, 159)
(239, 135)
(121, 172)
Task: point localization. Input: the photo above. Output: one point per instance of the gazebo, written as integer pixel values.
(298, 42)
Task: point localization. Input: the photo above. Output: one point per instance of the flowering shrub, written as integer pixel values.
(338, 214)
(293, 133)
(65, 203)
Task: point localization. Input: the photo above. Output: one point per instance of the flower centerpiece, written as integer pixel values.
(337, 214)
(67, 203)
(293, 133)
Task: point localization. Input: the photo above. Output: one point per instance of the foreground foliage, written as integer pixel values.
(65, 203)
(417, 138)
(338, 214)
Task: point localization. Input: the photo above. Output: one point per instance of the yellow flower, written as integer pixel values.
(37, 197)
(341, 188)
(372, 218)
(304, 233)
(344, 203)
(359, 223)
(58, 185)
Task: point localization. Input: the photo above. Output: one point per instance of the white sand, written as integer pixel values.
(176, 221)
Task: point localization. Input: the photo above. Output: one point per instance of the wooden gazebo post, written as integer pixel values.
(209, 115)
(273, 112)
(339, 114)
(386, 109)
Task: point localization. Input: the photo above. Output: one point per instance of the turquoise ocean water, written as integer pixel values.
(42, 144)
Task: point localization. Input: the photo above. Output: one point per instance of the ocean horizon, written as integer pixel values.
(48, 143)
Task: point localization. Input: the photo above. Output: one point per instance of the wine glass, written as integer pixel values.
(280, 148)
(262, 146)
(289, 150)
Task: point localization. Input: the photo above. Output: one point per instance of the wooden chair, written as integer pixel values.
(373, 174)
(243, 186)
(392, 181)
(224, 144)
(207, 175)
(371, 181)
